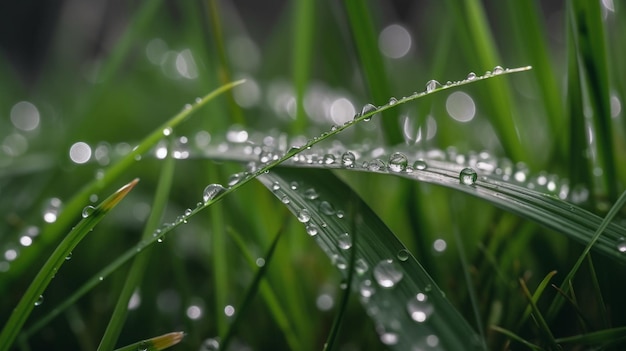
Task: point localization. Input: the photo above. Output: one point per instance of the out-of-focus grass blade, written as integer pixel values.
(398, 294)
(599, 338)
(365, 37)
(538, 316)
(73, 207)
(137, 270)
(33, 295)
(517, 338)
(161, 342)
(542, 286)
(591, 45)
(303, 25)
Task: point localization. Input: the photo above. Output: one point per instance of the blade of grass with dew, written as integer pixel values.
(538, 316)
(591, 45)
(161, 342)
(364, 34)
(594, 240)
(251, 290)
(401, 298)
(303, 35)
(517, 338)
(53, 231)
(33, 295)
(138, 268)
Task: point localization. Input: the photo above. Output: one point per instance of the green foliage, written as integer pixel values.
(446, 219)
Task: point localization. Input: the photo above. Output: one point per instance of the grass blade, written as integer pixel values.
(34, 292)
(161, 342)
(517, 338)
(304, 25)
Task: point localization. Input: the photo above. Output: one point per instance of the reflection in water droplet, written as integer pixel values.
(304, 215)
(419, 308)
(621, 245)
(468, 176)
(87, 211)
(367, 109)
(348, 159)
(344, 241)
(471, 76)
(212, 191)
(387, 273)
(420, 165)
(311, 229)
(376, 165)
(403, 255)
(397, 162)
(392, 101)
(432, 85)
(39, 301)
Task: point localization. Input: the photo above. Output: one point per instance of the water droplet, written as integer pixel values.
(344, 241)
(285, 199)
(360, 266)
(419, 308)
(498, 70)
(397, 162)
(87, 211)
(376, 165)
(471, 76)
(311, 194)
(367, 109)
(294, 185)
(348, 159)
(167, 131)
(68, 257)
(432, 85)
(340, 214)
(311, 229)
(276, 186)
(327, 208)
(387, 273)
(143, 346)
(468, 176)
(212, 191)
(304, 215)
(621, 245)
(236, 178)
(403, 255)
(420, 165)
(211, 344)
(329, 159)
(39, 301)
(389, 338)
(392, 101)
(366, 289)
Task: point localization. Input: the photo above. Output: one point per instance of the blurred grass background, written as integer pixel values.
(106, 73)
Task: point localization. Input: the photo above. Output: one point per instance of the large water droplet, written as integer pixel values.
(39, 301)
(348, 159)
(212, 191)
(419, 308)
(621, 245)
(387, 273)
(304, 215)
(87, 211)
(468, 176)
(367, 109)
(397, 162)
(432, 85)
(344, 241)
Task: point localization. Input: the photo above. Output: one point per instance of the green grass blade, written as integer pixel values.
(365, 38)
(601, 338)
(34, 292)
(137, 270)
(73, 207)
(538, 316)
(517, 338)
(161, 342)
(304, 26)
(536, 295)
(388, 278)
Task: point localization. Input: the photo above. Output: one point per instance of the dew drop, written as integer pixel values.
(471, 76)
(329, 159)
(403, 255)
(389, 338)
(39, 301)
(311, 229)
(392, 101)
(340, 214)
(212, 191)
(143, 346)
(167, 131)
(387, 273)
(311, 194)
(420, 165)
(376, 165)
(498, 70)
(285, 199)
(236, 178)
(367, 109)
(468, 176)
(294, 185)
(621, 245)
(68, 257)
(360, 266)
(88, 211)
(366, 289)
(344, 241)
(432, 85)
(303, 215)
(276, 186)
(327, 208)
(397, 162)
(348, 159)
(211, 344)
(419, 308)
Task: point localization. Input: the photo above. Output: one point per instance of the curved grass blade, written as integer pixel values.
(34, 292)
(602, 338)
(52, 232)
(137, 270)
(398, 294)
(517, 338)
(542, 286)
(161, 342)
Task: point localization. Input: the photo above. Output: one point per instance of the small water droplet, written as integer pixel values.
(403, 255)
(304, 215)
(392, 101)
(87, 211)
(376, 165)
(360, 266)
(327, 208)
(212, 191)
(294, 185)
(187, 107)
(389, 338)
(311, 229)
(143, 346)
(366, 289)
(367, 109)
(420, 165)
(344, 241)
(432, 85)
(167, 131)
(348, 159)
(621, 245)
(236, 178)
(329, 159)
(285, 199)
(211, 344)
(276, 186)
(419, 308)
(39, 301)
(397, 162)
(311, 194)
(471, 76)
(387, 273)
(468, 176)
(498, 70)
(340, 214)
(68, 257)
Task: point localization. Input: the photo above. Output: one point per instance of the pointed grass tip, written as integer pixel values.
(166, 340)
(114, 199)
